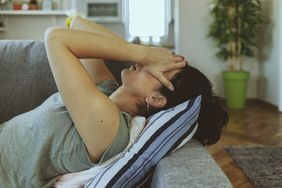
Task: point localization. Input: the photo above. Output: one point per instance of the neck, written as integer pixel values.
(125, 101)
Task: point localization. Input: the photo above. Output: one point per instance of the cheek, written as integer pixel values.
(144, 79)
(147, 83)
(139, 80)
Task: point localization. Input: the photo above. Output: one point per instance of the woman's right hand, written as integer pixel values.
(160, 60)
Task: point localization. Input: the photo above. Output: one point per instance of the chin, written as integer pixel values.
(123, 75)
(127, 77)
(123, 72)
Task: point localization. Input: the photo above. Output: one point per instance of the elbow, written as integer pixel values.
(54, 41)
(53, 35)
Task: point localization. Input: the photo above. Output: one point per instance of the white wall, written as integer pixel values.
(33, 27)
(191, 28)
(268, 82)
(29, 26)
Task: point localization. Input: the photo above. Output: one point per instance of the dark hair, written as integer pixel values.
(188, 84)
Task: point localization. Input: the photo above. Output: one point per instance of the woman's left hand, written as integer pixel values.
(161, 60)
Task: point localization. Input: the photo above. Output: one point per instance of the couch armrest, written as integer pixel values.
(190, 166)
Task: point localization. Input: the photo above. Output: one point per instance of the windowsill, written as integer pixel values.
(34, 12)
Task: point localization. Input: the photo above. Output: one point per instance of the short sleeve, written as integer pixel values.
(108, 87)
(121, 140)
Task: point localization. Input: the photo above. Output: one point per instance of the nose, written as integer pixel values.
(138, 67)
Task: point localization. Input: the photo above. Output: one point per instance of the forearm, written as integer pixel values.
(96, 68)
(86, 25)
(80, 44)
(89, 45)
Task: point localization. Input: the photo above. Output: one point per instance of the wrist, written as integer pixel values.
(139, 54)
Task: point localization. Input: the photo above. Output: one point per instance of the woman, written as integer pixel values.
(88, 121)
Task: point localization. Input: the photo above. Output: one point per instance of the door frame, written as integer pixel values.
(280, 57)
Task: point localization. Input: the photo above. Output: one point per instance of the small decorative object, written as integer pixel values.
(17, 5)
(33, 5)
(236, 28)
(20, 4)
(47, 4)
(25, 6)
(4, 4)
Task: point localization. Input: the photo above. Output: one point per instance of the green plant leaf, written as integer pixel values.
(238, 22)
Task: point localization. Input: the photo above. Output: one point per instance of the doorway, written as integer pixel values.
(280, 57)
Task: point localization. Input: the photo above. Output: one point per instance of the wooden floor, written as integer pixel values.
(257, 124)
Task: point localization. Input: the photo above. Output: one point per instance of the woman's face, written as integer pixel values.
(138, 80)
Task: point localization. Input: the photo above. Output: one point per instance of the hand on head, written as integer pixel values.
(161, 60)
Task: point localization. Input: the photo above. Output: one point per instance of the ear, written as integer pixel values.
(156, 100)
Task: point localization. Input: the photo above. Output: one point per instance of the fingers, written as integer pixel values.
(165, 82)
(178, 65)
(178, 58)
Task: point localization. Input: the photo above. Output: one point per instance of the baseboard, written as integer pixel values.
(256, 101)
(264, 104)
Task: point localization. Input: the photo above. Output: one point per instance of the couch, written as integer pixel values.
(26, 81)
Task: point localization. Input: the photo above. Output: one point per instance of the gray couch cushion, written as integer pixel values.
(26, 79)
(191, 166)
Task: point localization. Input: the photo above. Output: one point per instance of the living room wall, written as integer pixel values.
(269, 82)
(191, 26)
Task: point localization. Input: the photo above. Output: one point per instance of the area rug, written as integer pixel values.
(262, 165)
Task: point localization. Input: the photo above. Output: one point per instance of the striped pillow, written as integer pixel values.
(164, 132)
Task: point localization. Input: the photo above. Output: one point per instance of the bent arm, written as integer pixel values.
(96, 68)
(85, 103)
(91, 45)
(88, 45)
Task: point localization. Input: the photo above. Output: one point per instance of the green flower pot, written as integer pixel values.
(235, 86)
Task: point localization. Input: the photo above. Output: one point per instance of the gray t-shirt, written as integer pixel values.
(39, 145)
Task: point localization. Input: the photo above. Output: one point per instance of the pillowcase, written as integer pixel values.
(164, 132)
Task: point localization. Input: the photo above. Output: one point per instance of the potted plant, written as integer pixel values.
(236, 28)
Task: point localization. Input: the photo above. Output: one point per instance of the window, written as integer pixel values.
(148, 19)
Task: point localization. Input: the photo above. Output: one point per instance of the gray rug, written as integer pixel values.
(262, 165)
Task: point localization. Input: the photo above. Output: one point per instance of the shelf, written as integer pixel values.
(34, 12)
